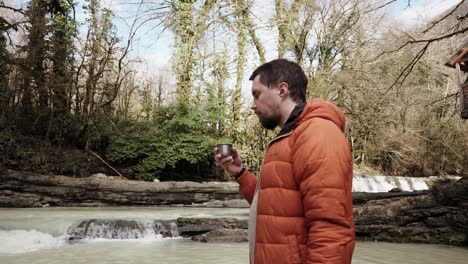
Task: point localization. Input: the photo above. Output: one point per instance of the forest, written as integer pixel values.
(73, 100)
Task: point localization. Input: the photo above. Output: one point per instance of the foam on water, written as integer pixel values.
(21, 241)
(145, 240)
(200, 216)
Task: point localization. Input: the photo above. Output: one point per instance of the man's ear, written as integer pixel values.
(283, 89)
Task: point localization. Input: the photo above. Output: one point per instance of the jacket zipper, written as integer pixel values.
(257, 190)
(269, 144)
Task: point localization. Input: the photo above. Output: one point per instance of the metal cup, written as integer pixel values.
(224, 149)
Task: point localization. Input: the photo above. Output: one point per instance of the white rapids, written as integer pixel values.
(363, 183)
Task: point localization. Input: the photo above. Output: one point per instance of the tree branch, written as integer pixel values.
(444, 17)
(428, 41)
(103, 161)
(463, 30)
(379, 7)
(460, 18)
(442, 99)
(408, 69)
(18, 10)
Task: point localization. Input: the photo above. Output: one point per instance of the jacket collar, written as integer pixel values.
(293, 117)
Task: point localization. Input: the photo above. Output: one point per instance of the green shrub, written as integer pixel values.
(177, 142)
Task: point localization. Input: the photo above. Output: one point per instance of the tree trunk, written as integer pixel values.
(3, 75)
(33, 69)
(189, 37)
(282, 27)
(241, 43)
(61, 77)
(249, 25)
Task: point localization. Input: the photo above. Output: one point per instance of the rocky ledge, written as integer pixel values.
(439, 216)
(25, 189)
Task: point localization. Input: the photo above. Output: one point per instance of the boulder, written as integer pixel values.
(395, 190)
(196, 226)
(223, 235)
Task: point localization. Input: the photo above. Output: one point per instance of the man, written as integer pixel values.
(301, 203)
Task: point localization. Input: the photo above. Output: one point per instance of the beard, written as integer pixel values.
(269, 122)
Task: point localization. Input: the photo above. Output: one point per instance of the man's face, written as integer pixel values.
(266, 104)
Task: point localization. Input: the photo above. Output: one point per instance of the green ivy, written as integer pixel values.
(178, 135)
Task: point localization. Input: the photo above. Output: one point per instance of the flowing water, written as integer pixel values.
(363, 183)
(39, 236)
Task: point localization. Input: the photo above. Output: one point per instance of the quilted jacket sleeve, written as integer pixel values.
(247, 184)
(323, 169)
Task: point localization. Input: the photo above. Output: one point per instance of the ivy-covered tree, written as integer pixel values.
(241, 7)
(188, 24)
(33, 70)
(64, 28)
(3, 71)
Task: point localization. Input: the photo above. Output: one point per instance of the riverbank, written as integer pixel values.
(436, 216)
(27, 189)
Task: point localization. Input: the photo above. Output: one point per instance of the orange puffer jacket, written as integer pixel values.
(304, 210)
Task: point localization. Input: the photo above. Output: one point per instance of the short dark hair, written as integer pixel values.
(282, 70)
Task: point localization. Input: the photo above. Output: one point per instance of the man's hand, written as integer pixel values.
(231, 164)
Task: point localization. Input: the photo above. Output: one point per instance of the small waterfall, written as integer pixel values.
(362, 183)
(173, 229)
(121, 229)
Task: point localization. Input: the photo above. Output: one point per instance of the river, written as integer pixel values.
(38, 236)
